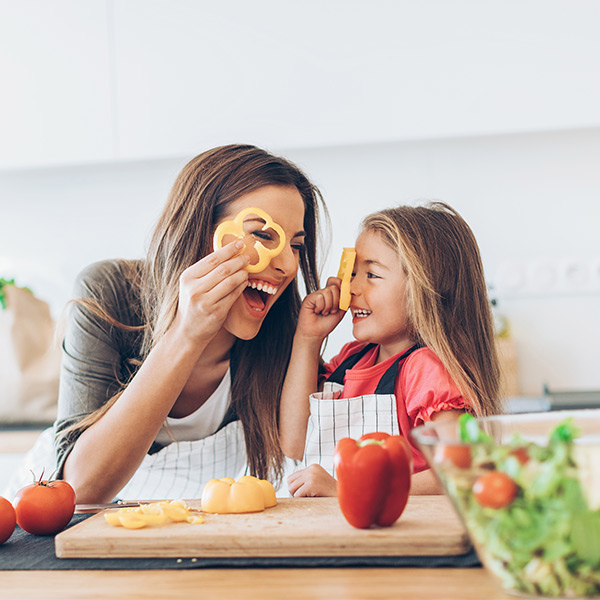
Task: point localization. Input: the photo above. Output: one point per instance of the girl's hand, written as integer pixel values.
(320, 313)
(208, 289)
(314, 480)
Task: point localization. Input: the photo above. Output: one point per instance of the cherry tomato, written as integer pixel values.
(494, 489)
(459, 456)
(8, 519)
(520, 454)
(45, 507)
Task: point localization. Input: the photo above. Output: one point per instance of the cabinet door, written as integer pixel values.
(192, 74)
(55, 103)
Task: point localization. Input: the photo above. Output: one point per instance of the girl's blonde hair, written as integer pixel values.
(448, 306)
(199, 199)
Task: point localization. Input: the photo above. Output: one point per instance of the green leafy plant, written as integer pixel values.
(3, 283)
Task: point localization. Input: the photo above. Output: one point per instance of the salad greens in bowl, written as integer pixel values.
(527, 487)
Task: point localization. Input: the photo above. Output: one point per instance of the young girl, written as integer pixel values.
(424, 351)
(173, 365)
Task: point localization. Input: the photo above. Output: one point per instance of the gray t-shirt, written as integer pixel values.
(96, 353)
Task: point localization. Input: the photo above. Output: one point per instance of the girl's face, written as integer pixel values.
(286, 207)
(378, 289)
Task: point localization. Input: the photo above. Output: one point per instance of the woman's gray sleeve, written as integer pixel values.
(91, 364)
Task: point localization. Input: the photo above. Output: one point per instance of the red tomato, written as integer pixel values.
(8, 519)
(520, 454)
(459, 456)
(45, 507)
(494, 489)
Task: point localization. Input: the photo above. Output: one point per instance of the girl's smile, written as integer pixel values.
(359, 313)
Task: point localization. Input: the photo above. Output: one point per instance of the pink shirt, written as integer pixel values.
(422, 388)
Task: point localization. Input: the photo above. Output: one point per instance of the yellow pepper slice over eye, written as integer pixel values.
(249, 494)
(345, 274)
(235, 227)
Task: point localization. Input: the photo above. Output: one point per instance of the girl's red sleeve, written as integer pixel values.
(426, 388)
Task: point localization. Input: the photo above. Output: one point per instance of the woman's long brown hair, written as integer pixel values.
(183, 235)
(449, 308)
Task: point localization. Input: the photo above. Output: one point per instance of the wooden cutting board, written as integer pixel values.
(295, 527)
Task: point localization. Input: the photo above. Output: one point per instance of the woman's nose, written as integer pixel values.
(286, 261)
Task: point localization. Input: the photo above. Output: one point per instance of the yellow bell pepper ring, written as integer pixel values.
(235, 227)
(249, 494)
(345, 274)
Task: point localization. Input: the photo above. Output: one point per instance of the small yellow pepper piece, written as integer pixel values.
(176, 510)
(235, 227)
(112, 517)
(345, 274)
(198, 520)
(249, 494)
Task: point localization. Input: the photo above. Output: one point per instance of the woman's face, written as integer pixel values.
(286, 208)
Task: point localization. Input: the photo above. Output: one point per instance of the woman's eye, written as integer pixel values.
(298, 247)
(263, 235)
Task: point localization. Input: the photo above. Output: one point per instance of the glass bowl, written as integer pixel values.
(527, 488)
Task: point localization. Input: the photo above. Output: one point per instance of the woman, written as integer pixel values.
(173, 366)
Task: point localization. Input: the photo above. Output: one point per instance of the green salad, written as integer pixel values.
(531, 520)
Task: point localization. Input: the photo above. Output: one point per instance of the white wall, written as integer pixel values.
(533, 201)
(107, 80)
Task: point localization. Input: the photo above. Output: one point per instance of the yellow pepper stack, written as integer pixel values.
(249, 494)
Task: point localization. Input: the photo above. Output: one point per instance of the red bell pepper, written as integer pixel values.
(373, 476)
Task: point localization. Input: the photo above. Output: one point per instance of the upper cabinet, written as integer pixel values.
(138, 79)
(55, 82)
(286, 74)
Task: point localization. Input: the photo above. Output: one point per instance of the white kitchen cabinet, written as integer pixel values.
(55, 99)
(193, 74)
(139, 79)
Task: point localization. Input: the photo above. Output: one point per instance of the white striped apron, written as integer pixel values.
(333, 418)
(181, 469)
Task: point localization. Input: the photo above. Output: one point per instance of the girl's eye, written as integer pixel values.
(372, 275)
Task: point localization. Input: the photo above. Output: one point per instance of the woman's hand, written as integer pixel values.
(208, 289)
(320, 312)
(314, 480)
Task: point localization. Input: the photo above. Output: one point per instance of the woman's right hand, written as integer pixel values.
(208, 289)
(320, 312)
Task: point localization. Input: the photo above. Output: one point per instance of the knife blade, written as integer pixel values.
(83, 508)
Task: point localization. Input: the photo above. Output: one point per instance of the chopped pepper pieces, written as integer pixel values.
(235, 227)
(373, 476)
(153, 513)
(345, 274)
(249, 494)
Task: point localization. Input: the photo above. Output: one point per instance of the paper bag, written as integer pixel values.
(29, 358)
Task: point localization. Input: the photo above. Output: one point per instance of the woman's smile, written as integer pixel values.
(259, 295)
